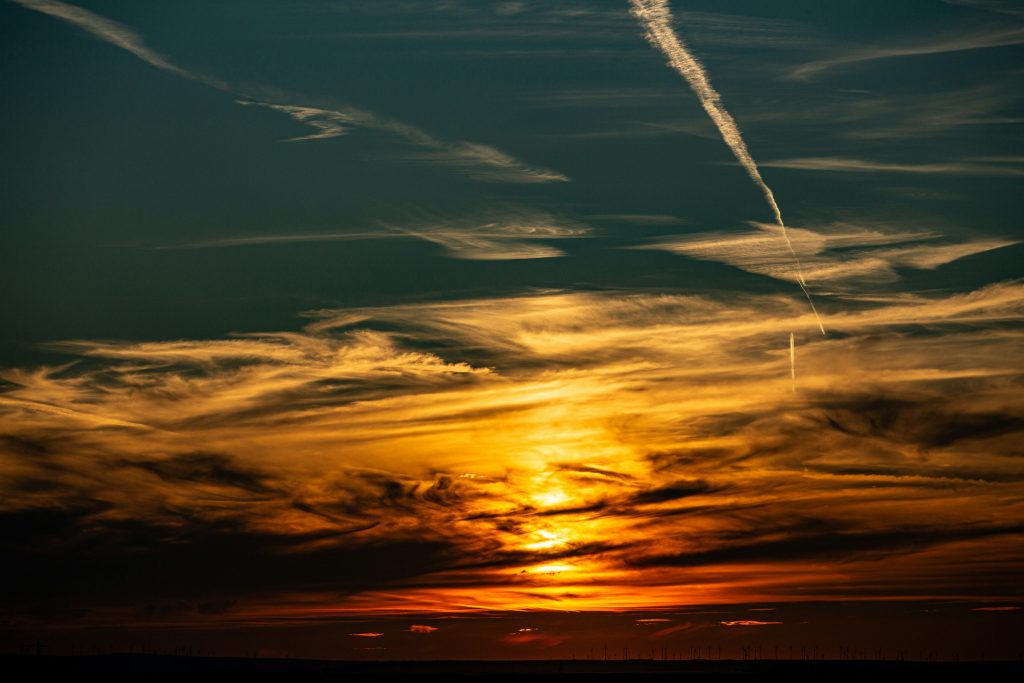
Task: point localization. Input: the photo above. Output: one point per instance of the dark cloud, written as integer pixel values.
(215, 606)
(926, 422)
(837, 545)
(674, 491)
(204, 468)
(587, 469)
(35, 446)
(117, 561)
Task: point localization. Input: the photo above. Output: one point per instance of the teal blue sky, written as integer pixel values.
(135, 200)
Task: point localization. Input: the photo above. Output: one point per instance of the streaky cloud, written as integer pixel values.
(838, 255)
(481, 162)
(977, 39)
(852, 165)
(117, 34)
(507, 240)
(478, 161)
(498, 235)
(330, 124)
(1010, 7)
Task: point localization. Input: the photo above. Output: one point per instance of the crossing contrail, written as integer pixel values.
(656, 18)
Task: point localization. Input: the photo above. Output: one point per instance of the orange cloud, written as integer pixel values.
(550, 451)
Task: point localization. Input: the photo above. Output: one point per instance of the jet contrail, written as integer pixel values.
(657, 21)
(792, 360)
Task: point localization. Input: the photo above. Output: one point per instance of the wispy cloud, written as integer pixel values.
(479, 161)
(837, 255)
(744, 31)
(850, 165)
(116, 34)
(971, 39)
(876, 116)
(501, 241)
(640, 218)
(1011, 7)
(926, 115)
(506, 235)
(329, 124)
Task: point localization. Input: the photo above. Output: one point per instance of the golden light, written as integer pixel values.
(552, 569)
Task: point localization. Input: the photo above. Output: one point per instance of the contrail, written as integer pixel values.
(657, 21)
(491, 163)
(792, 360)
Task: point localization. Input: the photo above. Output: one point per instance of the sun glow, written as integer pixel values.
(551, 497)
(554, 568)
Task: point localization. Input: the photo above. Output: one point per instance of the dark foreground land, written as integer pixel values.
(135, 665)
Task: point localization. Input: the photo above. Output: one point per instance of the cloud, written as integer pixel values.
(861, 115)
(329, 124)
(750, 622)
(998, 6)
(367, 635)
(203, 468)
(972, 39)
(502, 235)
(841, 255)
(523, 452)
(745, 32)
(849, 165)
(422, 628)
(476, 160)
(910, 116)
(116, 34)
(505, 240)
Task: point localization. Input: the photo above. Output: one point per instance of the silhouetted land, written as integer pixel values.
(149, 665)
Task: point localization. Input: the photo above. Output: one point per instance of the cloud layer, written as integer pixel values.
(841, 256)
(535, 452)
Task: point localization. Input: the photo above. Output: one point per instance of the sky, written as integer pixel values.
(470, 329)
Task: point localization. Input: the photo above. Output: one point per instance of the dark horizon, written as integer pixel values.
(909, 631)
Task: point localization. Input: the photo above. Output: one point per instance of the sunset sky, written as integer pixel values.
(460, 328)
